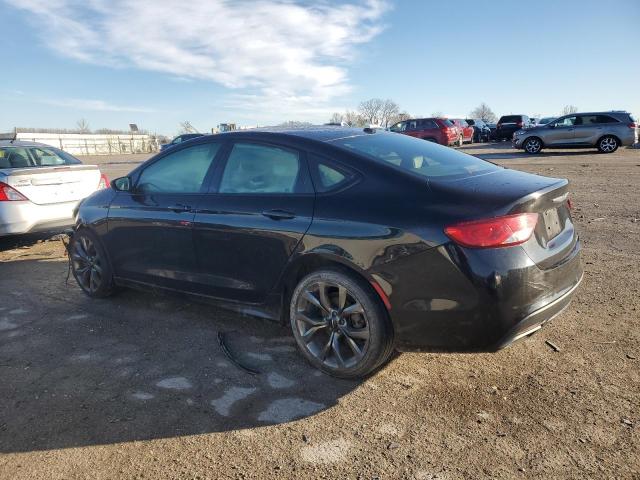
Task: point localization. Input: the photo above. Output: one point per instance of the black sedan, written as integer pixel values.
(363, 241)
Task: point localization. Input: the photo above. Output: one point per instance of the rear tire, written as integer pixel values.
(608, 144)
(90, 265)
(339, 324)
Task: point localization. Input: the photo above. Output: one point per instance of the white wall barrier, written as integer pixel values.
(94, 144)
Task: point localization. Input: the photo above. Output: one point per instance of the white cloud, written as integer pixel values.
(93, 105)
(274, 49)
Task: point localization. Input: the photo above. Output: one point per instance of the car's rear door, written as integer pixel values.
(260, 206)
(150, 236)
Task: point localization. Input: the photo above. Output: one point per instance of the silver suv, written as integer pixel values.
(605, 131)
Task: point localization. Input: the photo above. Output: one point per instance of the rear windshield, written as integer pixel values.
(511, 119)
(416, 156)
(22, 157)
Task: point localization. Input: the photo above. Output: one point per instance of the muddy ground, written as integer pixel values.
(137, 386)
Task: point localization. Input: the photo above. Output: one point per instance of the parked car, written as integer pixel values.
(545, 120)
(40, 186)
(509, 124)
(438, 130)
(179, 139)
(481, 132)
(466, 130)
(362, 241)
(492, 130)
(605, 131)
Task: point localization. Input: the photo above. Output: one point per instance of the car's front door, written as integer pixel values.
(150, 236)
(248, 227)
(561, 131)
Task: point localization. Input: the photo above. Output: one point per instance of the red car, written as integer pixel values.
(466, 130)
(438, 130)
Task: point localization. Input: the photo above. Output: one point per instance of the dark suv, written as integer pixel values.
(438, 130)
(509, 124)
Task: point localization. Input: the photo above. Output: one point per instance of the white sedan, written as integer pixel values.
(40, 186)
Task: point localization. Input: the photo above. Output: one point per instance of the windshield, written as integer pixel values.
(23, 157)
(416, 156)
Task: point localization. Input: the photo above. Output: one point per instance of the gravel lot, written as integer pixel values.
(136, 386)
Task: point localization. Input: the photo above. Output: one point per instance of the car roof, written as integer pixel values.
(22, 143)
(324, 133)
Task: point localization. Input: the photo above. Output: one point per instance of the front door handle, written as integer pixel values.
(278, 214)
(180, 208)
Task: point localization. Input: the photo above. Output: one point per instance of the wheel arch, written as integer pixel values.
(312, 261)
(534, 136)
(609, 135)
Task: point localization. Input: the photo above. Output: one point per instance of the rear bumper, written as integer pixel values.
(478, 300)
(534, 321)
(25, 217)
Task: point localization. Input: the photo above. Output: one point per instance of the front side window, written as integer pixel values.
(566, 122)
(399, 127)
(253, 168)
(416, 156)
(179, 172)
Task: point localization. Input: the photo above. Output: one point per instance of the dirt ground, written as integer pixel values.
(137, 386)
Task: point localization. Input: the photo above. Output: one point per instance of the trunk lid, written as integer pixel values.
(47, 185)
(505, 192)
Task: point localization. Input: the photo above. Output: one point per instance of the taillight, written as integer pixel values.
(569, 204)
(498, 125)
(519, 124)
(632, 125)
(494, 232)
(9, 194)
(104, 182)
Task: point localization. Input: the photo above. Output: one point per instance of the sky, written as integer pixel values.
(158, 63)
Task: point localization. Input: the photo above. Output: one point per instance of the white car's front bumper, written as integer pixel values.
(24, 217)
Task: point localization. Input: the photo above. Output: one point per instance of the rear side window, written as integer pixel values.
(181, 171)
(605, 119)
(416, 156)
(253, 168)
(329, 175)
(447, 123)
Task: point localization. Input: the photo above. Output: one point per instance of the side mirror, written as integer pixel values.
(122, 184)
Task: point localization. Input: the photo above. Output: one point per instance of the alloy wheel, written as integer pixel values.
(87, 264)
(608, 144)
(332, 324)
(533, 145)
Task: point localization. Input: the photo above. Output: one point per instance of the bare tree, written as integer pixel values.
(484, 113)
(295, 124)
(388, 112)
(83, 126)
(371, 110)
(336, 118)
(569, 109)
(353, 119)
(437, 113)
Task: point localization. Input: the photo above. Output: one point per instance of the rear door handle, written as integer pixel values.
(180, 208)
(278, 214)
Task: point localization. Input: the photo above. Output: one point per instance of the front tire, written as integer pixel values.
(608, 144)
(340, 325)
(532, 145)
(90, 265)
